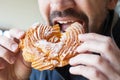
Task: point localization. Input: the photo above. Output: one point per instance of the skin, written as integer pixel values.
(12, 65)
(106, 65)
(95, 11)
(91, 14)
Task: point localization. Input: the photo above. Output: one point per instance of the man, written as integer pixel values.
(99, 57)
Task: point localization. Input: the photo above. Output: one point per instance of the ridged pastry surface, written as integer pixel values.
(46, 47)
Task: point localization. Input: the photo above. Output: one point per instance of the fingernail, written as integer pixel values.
(70, 61)
(81, 36)
(12, 60)
(20, 34)
(77, 49)
(35, 25)
(14, 47)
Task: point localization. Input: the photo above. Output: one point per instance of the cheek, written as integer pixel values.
(44, 7)
(95, 11)
(85, 6)
(91, 7)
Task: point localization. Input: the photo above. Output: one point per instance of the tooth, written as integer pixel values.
(70, 21)
(65, 22)
(62, 22)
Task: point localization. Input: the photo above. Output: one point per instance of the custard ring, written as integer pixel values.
(46, 47)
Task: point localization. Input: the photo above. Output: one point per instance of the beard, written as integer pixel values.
(91, 25)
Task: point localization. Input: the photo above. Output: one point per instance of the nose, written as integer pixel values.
(60, 5)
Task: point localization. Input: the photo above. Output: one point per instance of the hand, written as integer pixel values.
(102, 66)
(12, 64)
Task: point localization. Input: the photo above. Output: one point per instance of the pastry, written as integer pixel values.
(46, 47)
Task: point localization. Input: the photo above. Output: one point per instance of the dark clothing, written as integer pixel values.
(45, 75)
(111, 27)
(54, 75)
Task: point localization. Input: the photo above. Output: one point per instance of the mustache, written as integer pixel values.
(68, 13)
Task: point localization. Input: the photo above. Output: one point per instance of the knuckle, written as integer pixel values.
(92, 35)
(107, 45)
(2, 64)
(99, 75)
(108, 40)
(3, 40)
(98, 60)
(96, 73)
(3, 51)
(9, 44)
(6, 55)
(16, 33)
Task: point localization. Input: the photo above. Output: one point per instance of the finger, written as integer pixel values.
(91, 46)
(9, 44)
(88, 72)
(107, 49)
(22, 61)
(7, 55)
(96, 61)
(6, 33)
(97, 43)
(92, 36)
(106, 42)
(16, 33)
(35, 25)
(2, 64)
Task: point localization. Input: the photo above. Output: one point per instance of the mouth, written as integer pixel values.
(64, 23)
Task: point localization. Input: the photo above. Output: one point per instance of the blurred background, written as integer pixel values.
(18, 13)
(21, 13)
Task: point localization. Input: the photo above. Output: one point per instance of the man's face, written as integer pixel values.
(90, 13)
